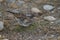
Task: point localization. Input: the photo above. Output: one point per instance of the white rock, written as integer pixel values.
(39, 39)
(52, 22)
(1, 25)
(49, 18)
(48, 7)
(52, 35)
(36, 10)
(5, 39)
(0, 36)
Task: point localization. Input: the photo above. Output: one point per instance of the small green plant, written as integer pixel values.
(21, 28)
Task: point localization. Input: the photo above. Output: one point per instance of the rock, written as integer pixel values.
(5, 39)
(57, 22)
(1, 25)
(35, 10)
(0, 36)
(20, 3)
(49, 18)
(13, 11)
(39, 39)
(13, 5)
(58, 8)
(27, 0)
(24, 23)
(0, 14)
(10, 1)
(48, 7)
(8, 16)
(28, 14)
(1, 0)
(58, 37)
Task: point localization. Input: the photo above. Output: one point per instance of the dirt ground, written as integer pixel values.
(43, 30)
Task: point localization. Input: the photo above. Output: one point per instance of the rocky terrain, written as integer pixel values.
(29, 19)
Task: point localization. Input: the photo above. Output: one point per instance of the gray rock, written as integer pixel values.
(20, 3)
(57, 22)
(14, 11)
(58, 8)
(1, 25)
(48, 7)
(0, 14)
(49, 18)
(24, 23)
(28, 14)
(10, 1)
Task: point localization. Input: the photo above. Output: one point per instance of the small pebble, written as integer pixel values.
(0, 36)
(35, 10)
(57, 21)
(10, 1)
(52, 22)
(20, 3)
(14, 11)
(48, 7)
(1, 25)
(58, 8)
(28, 15)
(52, 35)
(39, 39)
(49, 18)
(24, 23)
(0, 14)
(1, 0)
(5, 39)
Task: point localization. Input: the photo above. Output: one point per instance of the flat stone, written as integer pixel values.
(49, 18)
(48, 7)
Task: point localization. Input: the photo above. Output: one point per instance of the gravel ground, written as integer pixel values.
(43, 30)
